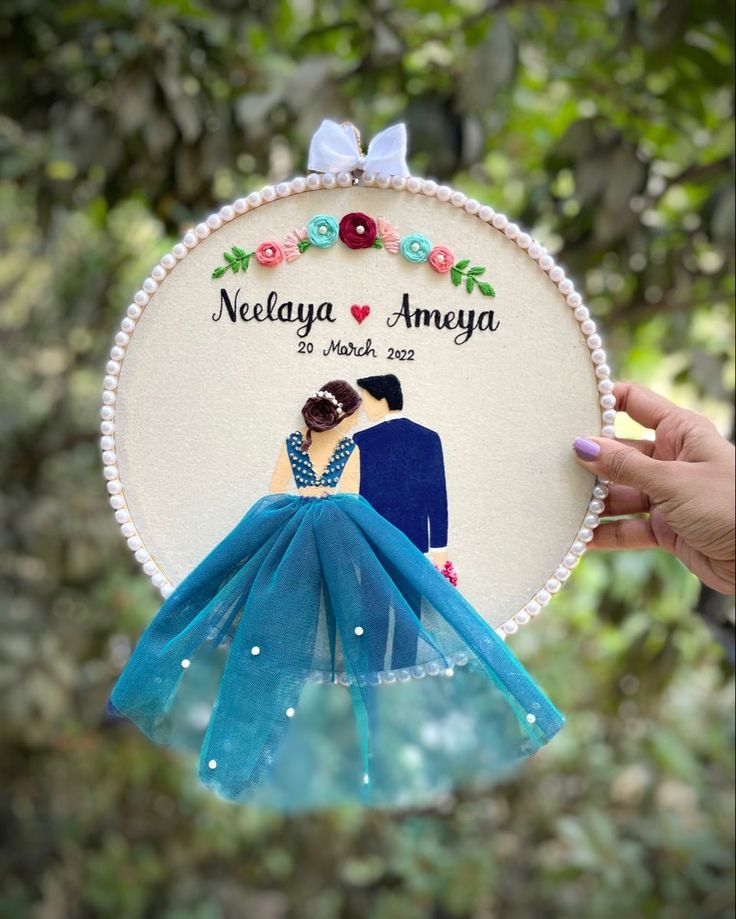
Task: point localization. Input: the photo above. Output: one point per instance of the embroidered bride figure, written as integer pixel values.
(273, 657)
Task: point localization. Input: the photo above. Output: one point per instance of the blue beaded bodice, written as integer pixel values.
(304, 472)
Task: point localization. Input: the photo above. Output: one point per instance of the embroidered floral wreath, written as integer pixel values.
(358, 231)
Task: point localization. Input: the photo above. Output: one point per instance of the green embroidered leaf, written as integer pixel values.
(245, 261)
(303, 245)
(218, 272)
(476, 271)
(470, 283)
(230, 259)
(377, 244)
(461, 266)
(238, 252)
(486, 289)
(456, 277)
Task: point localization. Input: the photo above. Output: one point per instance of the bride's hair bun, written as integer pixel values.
(326, 408)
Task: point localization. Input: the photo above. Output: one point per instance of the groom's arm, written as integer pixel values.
(437, 499)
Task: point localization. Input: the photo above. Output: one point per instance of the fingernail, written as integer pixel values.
(587, 450)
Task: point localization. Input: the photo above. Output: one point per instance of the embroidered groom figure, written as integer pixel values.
(402, 475)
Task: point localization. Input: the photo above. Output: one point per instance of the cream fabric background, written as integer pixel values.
(203, 406)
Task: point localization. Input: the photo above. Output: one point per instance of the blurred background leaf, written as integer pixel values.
(607, 129)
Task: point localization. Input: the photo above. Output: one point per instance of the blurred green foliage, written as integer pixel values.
(607, 129)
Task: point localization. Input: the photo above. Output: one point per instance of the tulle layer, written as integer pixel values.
(317, 657)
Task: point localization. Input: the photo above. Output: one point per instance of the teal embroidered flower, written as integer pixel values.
(415, 247)
(322, 231)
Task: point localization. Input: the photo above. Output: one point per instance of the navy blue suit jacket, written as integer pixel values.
(402, 474)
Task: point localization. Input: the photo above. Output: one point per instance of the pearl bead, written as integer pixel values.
(168, 261)
(166, 591)
(190, 240)
(108, 458)
(141, 298)
(107, 443)
(114, 488)
(179, 250)
(510, 627)
(128, 530)
(588, 327)
(608, 401)
(605, 386)
(107, 427)
(240, 206)
(290, 712)
(359, 630)
(566, 286)
(202, 230)
(533, 608)
(594, 341)
(113, 368)
(254, 199)
(111, 382)
(472, 206)
(255, 650)
(553, 585)
(429, 188)
(521, 618)
(577, 548)
(524, 240)
(556, 274)
(531, 718)
(444, 192)
(413, 185)
(117, 501)
(141, 554)
(598, 356)
(110, 472)
(108, 397)
(158, 273)
(186, 663)
(328, 180)
(117, 353)
(383, 181)
(486, 213)
(500, 221)
(226, 213)
(582, 313)
(268, 193)
(546, 262)
(158, 580)
(299, 184)
(344, 180)
(585, 534)
(600, 491)
(570, 560)
(511, 230)
(602, 370)
(369, 179)
(269, 252)
(535, 251)
(107, 412)
(457, 198)
(609, 416)
(415, 247)
(608, 431)
(212, 764)
(398, 183)
(214, 221)
(360, 229)
(562, 574)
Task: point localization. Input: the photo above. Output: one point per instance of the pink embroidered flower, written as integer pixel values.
(441, 259)
(448, 571)
(269, 254)
(388, 235)
(293, 244)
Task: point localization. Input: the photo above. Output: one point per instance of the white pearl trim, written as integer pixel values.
(495, 221)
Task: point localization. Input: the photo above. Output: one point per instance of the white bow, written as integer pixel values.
(334, 148)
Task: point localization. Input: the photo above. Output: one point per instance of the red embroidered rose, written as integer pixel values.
(358, 231)
(269, 254)
(441, 259)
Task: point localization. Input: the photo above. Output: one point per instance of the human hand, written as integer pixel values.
(683, 480)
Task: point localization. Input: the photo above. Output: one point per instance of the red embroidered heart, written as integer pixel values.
(360, 312)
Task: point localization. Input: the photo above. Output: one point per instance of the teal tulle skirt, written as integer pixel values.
(317, 657)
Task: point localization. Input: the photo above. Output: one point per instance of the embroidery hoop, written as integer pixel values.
(540, 597)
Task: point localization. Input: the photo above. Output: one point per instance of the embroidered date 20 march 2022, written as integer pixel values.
(464, 322)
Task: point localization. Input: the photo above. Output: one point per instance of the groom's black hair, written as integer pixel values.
(385, 387)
